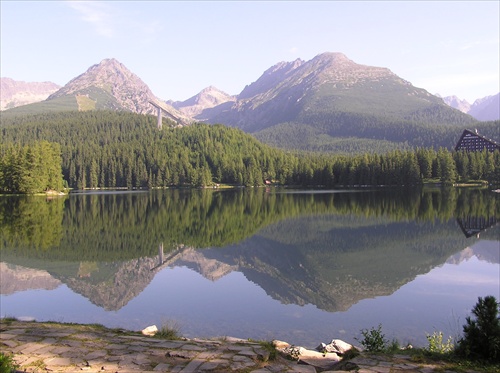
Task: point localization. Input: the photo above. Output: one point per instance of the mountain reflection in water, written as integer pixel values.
(304, 267)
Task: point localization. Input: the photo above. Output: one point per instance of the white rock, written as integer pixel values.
(280, 344)
(150, 330)
(340, 346)
(318, 359)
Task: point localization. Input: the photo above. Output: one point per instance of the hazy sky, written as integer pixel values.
(179, 48)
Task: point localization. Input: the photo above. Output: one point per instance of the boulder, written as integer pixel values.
(318, 359)
(280, 344)
(336, 346)
(150, 330)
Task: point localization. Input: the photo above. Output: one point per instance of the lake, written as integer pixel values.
(301, 266)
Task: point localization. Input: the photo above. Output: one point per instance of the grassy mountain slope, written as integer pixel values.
(91, 98)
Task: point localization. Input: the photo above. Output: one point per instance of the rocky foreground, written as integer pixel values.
(52, 347)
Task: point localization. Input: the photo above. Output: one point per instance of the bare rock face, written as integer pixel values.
(486, 108)
(114, 78)
(270, 78)
(17, 93)
(129, 91)
(16, 278)
(128, 280)
(457, 103)
(208, 98)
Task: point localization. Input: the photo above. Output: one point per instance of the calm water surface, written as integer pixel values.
(299, 266)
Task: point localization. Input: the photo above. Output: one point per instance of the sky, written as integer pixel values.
(179, 48)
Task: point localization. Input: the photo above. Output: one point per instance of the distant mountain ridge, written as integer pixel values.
(483, 109)
(17, 93)
(457, 103)
(208, 98)
(487, 108)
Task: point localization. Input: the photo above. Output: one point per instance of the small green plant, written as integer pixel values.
(7, 320)
(373, 339)
(270, 348)
(481, 338)
(169, 330)
(436, 344)
(393, 346)
(7, 364)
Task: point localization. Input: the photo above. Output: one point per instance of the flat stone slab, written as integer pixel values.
(29, 348)
(58, 361)
(162, 367)
(189, 347)
(9, 343)
(116, 347)
(7, 336)
(170, 344)
(95, 355)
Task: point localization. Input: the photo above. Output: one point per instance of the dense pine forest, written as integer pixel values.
(30, 168)
(105, 149)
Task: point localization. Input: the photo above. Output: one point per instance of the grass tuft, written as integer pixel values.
(169, 330)
(270, 348)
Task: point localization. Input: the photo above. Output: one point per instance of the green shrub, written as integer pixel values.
(373, 339)
(436, 344)
(481, 338)
(7, 364)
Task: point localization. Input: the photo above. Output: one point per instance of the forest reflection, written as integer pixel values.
(111, 226)
(327, 248)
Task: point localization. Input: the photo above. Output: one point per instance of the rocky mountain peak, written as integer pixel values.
(211, 96)
(483, 109)
(112, 70)
(208, 98)
(332, 57)
(115, 79)
(335, 67)
(457, 103)
(117, 82)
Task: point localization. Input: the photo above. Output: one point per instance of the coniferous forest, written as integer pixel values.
(31, 168)
(106, 149)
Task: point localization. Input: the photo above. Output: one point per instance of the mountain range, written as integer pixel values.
(329, 103)
(16, 93)
(329, 83)
(107, 85)
(483, 109)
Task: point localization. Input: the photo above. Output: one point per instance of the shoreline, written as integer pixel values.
(69, 347)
